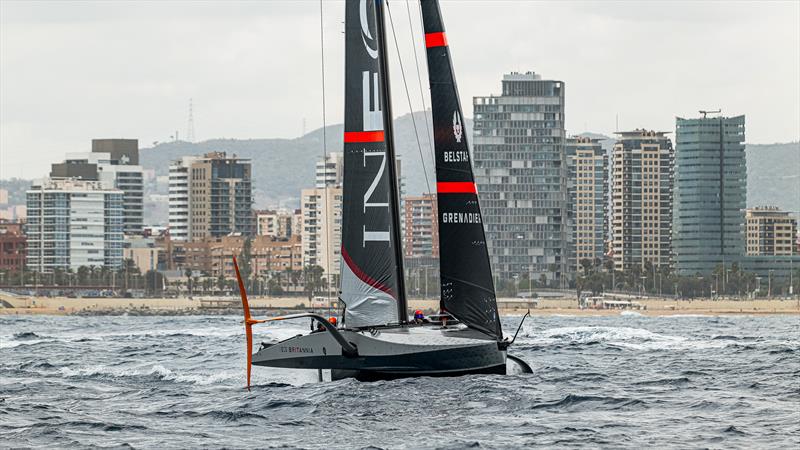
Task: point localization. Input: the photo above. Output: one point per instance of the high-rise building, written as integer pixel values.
(642, 199)
(521, 172)
(588, 200)
(770, 232)
(117, 162)
(277, 224)
(710, 193)
(421, 226)
(322, 228)
(179, 198)
(210, 196)
(329, 171)
(73, 223)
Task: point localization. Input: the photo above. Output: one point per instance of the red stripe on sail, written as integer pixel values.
(363, 136)
(456, 187)
(435, 40)
(364, 277)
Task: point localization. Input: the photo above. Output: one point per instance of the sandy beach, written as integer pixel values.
(508, 306)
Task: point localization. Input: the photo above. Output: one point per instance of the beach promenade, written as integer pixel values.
(508, 306)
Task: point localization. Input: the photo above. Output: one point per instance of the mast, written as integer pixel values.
(388, 123)
(372, 284)
(465, 271)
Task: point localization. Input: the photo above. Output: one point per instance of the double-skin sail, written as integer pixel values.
(372, 285)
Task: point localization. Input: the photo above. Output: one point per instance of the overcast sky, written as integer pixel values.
(71, 71)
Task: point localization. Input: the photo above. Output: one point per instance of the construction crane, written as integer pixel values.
(706, 113)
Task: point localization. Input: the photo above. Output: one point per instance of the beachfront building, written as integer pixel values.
(275, 223)
(269, 257)
(588, 200)
(770, 232)
(421, 227)
(322, 228)
(521, 172)
(210, 196)
(13, 243)
(143, 251)
(642, 199)
(74, 223)
(116, 162)
(710, 193)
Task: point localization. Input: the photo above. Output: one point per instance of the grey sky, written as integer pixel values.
(71, 71)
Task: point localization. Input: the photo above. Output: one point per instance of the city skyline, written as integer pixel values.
(114, 81)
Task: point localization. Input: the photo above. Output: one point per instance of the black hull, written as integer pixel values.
(374, 375)
(392, 353)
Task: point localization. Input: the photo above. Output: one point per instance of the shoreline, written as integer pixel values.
(283, 305)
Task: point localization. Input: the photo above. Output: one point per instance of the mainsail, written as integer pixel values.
(466, 274)
(372, 285)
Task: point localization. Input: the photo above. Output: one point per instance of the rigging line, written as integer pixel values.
(324, 155)
(427, 69)
(408, 98)
(419, 81)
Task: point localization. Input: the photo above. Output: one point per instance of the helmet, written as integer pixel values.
(418, 314)
(332, 320)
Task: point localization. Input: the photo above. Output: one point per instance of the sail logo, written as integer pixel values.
(461, 217)
(457, 130)
(372, 114)
(369, 235)
(365, 34)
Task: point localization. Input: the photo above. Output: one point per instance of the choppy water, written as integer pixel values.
(624, 381)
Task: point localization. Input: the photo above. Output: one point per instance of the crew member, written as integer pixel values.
(321, 327)
(419, 317)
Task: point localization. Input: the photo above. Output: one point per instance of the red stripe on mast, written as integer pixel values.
(456, 187)
(363, 136)
(435, 40)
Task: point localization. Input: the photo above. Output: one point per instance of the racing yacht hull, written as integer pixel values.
(389, 353)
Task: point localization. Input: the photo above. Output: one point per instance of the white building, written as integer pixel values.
(329, 171)
(100, 166)
(74, 223)
(322, 228)
(179, 198)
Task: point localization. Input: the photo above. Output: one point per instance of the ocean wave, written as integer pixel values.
(571, 400)
(156, 371)
(624, 337)
(26, 335)
(4, 344)
(663, 381)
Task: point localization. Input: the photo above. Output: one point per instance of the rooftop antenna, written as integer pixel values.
(706, 113)
(190, 125)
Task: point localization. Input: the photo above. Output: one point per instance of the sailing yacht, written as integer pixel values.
(375, 339)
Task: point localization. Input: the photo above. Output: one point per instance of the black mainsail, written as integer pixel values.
(466, 274)
(372, 284)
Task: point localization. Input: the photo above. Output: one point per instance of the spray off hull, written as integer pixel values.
(390, 353)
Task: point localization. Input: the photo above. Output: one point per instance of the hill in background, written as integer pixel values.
(282, 167)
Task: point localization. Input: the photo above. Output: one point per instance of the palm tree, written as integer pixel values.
(221, 283)
(312, 276)
(188, 274)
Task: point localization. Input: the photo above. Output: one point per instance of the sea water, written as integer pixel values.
(623, 381)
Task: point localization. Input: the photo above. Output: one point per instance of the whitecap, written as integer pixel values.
(625, 337)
